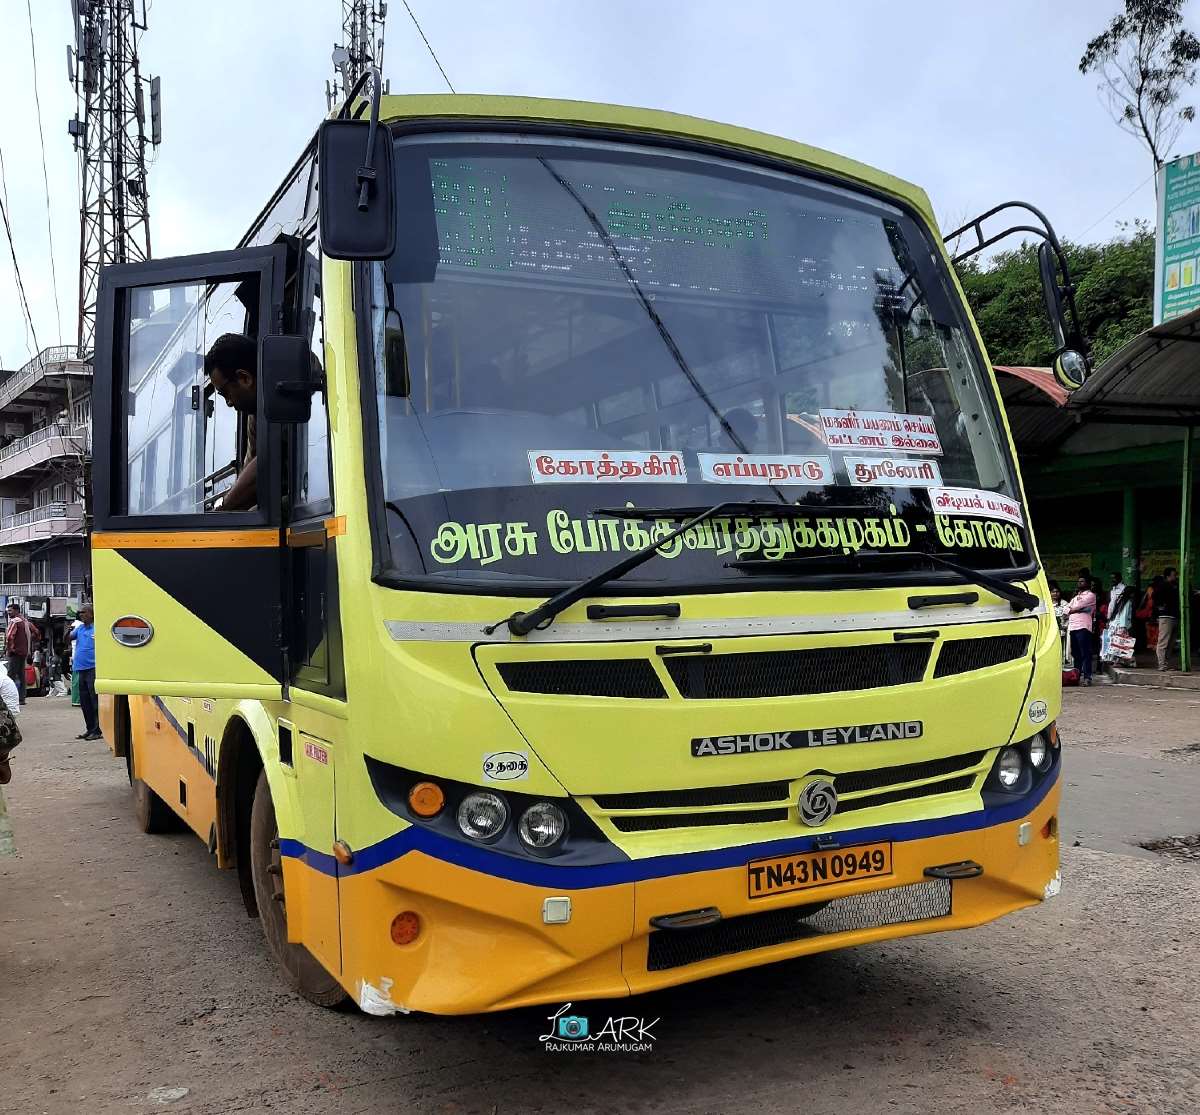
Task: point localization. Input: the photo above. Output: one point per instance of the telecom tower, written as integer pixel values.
(110, 134)
(361, 46)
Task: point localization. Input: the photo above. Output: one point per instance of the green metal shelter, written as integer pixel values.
(1110, 470)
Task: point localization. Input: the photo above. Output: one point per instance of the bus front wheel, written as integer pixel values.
(300, 969)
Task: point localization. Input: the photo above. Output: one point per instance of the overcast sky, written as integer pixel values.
(977, 103)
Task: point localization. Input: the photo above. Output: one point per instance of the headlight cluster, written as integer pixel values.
(1018, 765)
(484, 816)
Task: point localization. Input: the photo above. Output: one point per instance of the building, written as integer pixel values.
(45, 446)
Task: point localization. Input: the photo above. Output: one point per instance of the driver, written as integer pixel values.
(232, 367)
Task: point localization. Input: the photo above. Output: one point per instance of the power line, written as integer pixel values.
(37, 100)
(1141, 186)
(428, 46)
(12, 249)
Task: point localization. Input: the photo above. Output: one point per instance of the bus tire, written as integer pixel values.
(153, 814)
(301, 970)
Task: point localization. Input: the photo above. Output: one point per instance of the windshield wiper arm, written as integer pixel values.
(1020, 599)
(521, 623)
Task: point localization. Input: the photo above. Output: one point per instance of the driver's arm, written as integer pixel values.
(243, 494)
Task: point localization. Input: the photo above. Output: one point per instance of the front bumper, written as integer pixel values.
(484, 946)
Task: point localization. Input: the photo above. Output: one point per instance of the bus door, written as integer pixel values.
(188, 595)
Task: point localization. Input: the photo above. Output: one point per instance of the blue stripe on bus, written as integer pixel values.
(193, 750)
(539, 873)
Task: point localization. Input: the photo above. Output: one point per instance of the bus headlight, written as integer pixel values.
(482, 816)
(542, 825)
(1039, 753)
(1008, 767)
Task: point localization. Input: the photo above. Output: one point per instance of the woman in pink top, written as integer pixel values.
(1081, 615)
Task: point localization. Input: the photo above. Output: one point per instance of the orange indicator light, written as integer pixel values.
(426, 799)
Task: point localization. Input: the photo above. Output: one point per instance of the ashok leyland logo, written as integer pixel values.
(573, 1033)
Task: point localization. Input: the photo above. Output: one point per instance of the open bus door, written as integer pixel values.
(188, 596)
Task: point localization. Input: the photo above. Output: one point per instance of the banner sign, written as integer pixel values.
(892, 472)
(971, 501)
(874, 429)
(764, 468)
(1177, 244)
(593, 466)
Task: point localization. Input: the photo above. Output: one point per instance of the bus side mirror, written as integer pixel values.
(355, 196)
(1047, 268)
(287, 377)
(1070, 363)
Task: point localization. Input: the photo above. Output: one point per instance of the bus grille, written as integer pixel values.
(650, 822)
(862, 789)
(859, 781)
(675, 948)
(605, 677)
(958, 656)
(797, 673)
(909, 793)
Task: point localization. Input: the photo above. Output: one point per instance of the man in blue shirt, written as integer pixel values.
(83, 663)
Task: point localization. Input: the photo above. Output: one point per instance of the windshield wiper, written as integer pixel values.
(1019, 598)
(521, 623)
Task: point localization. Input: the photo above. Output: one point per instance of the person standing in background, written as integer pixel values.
(1060, 617)
(1120, 619)
(84, 664)
(18, 645)
(1081, 614)
(1166, 611)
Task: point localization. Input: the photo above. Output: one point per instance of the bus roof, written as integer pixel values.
(463, 106)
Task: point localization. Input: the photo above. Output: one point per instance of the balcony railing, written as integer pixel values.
(60, 589)
(61, 356)
(79, 436)
(54, 520)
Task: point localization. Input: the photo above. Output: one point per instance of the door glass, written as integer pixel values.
(313, 482)
(181, 439)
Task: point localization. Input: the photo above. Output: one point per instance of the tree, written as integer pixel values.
(1114, 292)
(1146, 58)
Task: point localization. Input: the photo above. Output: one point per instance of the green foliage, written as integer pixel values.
(1114, 291)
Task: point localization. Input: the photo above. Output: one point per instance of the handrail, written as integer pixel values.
(30, 372)
(57, 429)
(57, 510)
(40, 588)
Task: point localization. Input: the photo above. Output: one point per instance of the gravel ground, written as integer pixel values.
(131, 979)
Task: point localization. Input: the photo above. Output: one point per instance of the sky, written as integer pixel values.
(978, 103)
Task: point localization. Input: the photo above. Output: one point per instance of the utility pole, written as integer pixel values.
(361, 46)
(111, 132)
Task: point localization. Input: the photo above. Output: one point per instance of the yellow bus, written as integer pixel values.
(639, 585)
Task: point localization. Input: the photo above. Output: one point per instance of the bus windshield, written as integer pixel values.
(572, 326)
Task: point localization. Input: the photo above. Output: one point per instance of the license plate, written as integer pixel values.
(781, 874)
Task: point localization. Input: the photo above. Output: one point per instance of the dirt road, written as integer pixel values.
(132, 980)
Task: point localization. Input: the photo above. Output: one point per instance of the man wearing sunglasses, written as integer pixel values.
(232, 367)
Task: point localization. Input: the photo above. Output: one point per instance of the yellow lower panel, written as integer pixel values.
(484, 946)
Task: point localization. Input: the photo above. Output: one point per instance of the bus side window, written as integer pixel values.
(312, 485)
(180, 439)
